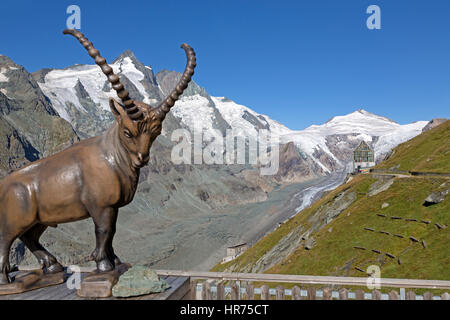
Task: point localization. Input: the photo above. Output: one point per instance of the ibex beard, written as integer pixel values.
(92, 178)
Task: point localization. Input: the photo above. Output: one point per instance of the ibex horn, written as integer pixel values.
(132, 110)
(164, 107)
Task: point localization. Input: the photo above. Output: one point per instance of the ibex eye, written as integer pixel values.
(127, 134)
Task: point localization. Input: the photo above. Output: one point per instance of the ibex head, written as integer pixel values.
(139, 123)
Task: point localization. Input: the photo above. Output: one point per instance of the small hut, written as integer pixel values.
(234, 251)
(363, 157)
(237, 249)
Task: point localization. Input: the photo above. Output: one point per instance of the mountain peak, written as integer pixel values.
(5, 60)
(126, 54)
(358, 114)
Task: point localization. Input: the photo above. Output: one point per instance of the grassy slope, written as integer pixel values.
(334, 254)
(428, 152)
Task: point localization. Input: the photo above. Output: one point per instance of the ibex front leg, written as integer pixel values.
(105, 228)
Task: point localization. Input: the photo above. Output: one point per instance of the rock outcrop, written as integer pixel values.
(434, 123)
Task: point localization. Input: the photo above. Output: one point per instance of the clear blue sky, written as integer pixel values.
(301, 62)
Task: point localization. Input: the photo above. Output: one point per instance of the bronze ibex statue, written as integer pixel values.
(92, 178)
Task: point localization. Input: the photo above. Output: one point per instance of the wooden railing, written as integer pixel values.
(237, 286)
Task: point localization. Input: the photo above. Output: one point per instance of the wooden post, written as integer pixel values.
(311, 293)
(296, 295)
(428, 296)
(206, 290)
(250, 291)
(265, 294)
(193, 290)
(343, 294)
(327, 294)
(280, 293)
(235, 294)
(410, 295)
(359, 294)
(214, 283)
(376, 295)
(393, 295)
(220, 291)
(445, 296)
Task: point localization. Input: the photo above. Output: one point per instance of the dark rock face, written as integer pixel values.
(255, 121)
(295, 167)
(29, 126)
(16, 151)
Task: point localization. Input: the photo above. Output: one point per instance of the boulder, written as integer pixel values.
(309, 244)
(436, 197)
(139, 280)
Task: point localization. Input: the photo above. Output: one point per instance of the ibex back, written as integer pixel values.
(92, 178)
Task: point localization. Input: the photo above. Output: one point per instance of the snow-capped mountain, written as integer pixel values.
(337, 137)
(61, 85)
(80, 95)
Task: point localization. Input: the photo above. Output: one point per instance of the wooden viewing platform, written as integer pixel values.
(179, 289)
(199, 285)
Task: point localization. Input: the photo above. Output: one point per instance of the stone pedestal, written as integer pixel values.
(100, 284)
(24, 281)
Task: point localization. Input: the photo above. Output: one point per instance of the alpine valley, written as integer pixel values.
(183, 215)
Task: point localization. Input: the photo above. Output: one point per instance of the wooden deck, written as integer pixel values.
(179, 289)
(236, 286)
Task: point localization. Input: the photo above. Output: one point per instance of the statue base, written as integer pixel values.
(100, 284)
(31, 280)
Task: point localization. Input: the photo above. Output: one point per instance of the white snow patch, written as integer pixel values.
(3, 77)
(3, 70)
(194, 112)
(395, 137)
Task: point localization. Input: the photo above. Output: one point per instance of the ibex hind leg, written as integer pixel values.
(5, 246)
(47, 261)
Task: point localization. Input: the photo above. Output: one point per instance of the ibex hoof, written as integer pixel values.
(54, 268)
(104, 266)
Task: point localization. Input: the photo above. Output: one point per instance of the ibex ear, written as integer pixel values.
(117, 110)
